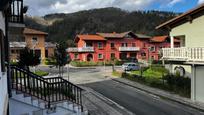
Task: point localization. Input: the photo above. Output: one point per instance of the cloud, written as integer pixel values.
(200, 1)
(173, 2)
(42, 7)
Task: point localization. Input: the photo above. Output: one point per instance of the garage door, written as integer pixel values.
(199, 83)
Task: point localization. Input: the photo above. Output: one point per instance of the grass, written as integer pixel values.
(158, 77)
(41, 73)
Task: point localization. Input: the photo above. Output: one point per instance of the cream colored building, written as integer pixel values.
(188, 27)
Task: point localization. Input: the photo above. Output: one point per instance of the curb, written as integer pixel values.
(162, 96)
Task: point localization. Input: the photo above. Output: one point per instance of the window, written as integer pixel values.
(12, 51)
(35, 39)
(152, 48)
(100, 56)
(100, 45)
(133, 45)
(124, 44)
(144, 45)
(112, 55)
(76, 56)
(89, 44)
(143, 54)
(112, 45)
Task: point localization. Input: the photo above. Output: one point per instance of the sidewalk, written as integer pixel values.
(161, 93)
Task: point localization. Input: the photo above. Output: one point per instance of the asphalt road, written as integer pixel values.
(140, 102)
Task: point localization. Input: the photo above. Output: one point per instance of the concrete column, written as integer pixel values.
(193, 86)
(172, 41)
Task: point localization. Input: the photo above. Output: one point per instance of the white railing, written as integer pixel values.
(129, 48)
(185, 54)
(81, 49)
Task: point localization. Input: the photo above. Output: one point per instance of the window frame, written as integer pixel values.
(100, 45)
(112, 44)
(99, 56)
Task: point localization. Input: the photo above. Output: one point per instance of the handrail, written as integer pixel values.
(49, 90)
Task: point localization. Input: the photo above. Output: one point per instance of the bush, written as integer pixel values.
(49, 61)
(14, 63)
(159, 68)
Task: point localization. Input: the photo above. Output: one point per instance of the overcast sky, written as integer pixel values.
(42, 7)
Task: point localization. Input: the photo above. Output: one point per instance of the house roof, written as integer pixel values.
(182, 16)
(17, 44)
(90, 37)
(50, 45)
(33, 31)
(115, 35)
(142, 36)
(159, 39)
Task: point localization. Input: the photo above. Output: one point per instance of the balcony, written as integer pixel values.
(82, 49)
(15, 13)
(129, 49)
(183, 54)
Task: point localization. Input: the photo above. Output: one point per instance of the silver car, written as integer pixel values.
(130, 66)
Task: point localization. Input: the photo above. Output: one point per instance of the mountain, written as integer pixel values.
(64, 27)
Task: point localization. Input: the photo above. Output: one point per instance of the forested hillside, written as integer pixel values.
(63, 27)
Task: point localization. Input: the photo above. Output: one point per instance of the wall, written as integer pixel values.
(50, 52)
(193, 32)
(3, 76)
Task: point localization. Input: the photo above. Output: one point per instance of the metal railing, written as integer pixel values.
(129, 48)
(15, 11)
(186, 54)
(50, 90)
(81, 49)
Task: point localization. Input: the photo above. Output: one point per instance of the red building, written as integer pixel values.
(159, 42)
(121, 46)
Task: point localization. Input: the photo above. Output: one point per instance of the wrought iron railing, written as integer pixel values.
(50, 90)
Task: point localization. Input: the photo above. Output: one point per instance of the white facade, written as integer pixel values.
(3, 75)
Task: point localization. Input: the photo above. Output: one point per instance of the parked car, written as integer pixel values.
(130, 66)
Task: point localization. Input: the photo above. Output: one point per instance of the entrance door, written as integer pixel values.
(89, 57)
(123, 56)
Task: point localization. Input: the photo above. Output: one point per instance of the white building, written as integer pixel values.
(189, 58)
(21, 91)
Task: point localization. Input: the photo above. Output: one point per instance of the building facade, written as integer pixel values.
(34, 40)
(189, 57)
(120, 46)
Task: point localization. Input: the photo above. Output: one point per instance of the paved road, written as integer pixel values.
(139, 102)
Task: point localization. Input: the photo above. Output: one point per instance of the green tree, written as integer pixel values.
(61, 57)
(28, 58)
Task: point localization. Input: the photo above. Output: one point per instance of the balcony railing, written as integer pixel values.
(15, 12)
(183, 54)
(82, 49)
(129, 48)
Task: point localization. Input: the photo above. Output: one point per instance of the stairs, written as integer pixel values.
(35, 95)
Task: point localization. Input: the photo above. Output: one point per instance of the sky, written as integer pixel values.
(43, 7)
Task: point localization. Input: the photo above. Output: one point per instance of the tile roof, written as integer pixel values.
(182, 16)
(142, 36)
(160, 39)
(33, 31)
(114, 34)
(91, 37)
(17, 44)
